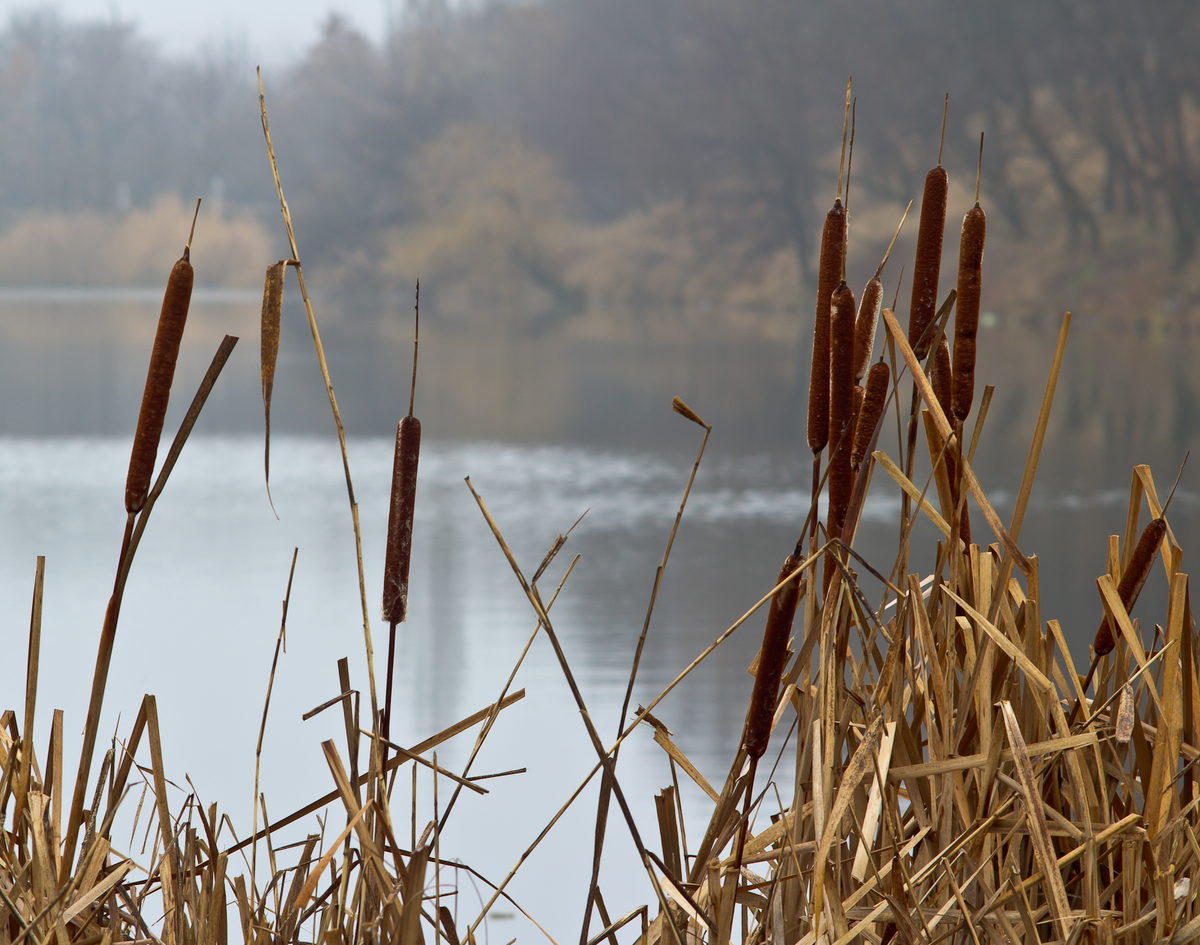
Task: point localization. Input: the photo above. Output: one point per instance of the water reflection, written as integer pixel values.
(203, 607)
(203, 602)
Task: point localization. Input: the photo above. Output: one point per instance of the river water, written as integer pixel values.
(202, 612)
(546, 429)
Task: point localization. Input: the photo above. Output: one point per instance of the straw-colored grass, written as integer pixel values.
(942, 771)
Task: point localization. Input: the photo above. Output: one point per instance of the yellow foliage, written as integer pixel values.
(490, 242)
(135, 249)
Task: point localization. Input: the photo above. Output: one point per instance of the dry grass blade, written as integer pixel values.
(1039, 831)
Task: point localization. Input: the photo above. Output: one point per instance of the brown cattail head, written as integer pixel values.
(841, 411)
(1133, 579)
(841, 393)
(771, 659)
(157, 391)
(833, 245)
(929, 260)
(860, 393)
(966, 316)
(400, 520)
(872, 409)
(864, 328)
(940, 375)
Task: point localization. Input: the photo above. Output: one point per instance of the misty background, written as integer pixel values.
(607, 204)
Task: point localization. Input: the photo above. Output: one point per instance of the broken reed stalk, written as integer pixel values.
(337, 416)
(262, 728)
(602, 807)
(605, 759)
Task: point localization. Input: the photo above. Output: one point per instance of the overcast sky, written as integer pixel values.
(272, 30)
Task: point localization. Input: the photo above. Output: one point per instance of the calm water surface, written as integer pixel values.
(203, 603)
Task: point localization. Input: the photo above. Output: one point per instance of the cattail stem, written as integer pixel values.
(412, 392)
(385, 728)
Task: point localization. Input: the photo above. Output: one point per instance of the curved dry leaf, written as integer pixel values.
(272, 306)
(1125, 715)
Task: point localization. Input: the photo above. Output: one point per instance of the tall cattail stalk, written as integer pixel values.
(161, 372)
(400, 521)
(829, 274)
(928, 263)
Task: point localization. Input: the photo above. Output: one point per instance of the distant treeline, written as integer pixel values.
(566, 156)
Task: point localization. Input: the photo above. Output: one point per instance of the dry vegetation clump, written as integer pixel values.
(941, 770)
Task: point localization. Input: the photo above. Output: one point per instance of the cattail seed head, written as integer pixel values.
(771, 659)
(864, 328)
(940, 376)
(966, 316)
(875, 397)
(929, 260)
(841, 411)
(400, 520)
(157, 391)
(833, 246)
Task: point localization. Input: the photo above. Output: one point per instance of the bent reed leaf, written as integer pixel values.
(272, 306)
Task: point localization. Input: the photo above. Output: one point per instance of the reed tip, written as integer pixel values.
(187, 247)
(685, 411)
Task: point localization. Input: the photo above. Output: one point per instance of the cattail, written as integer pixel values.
(771, 659)
(157, 391)
(1133, 579)
(929, 260)
(970, 287)
(841, 410)
(841, 415)
(400, 520)
(864, 327)
(833, 246)
(940, 376)
(871, 412)
(272, 308)
(860, 393)
(868, 310)
(403, 504)
(966, 317)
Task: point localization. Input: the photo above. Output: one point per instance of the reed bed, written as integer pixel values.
(947, 773)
